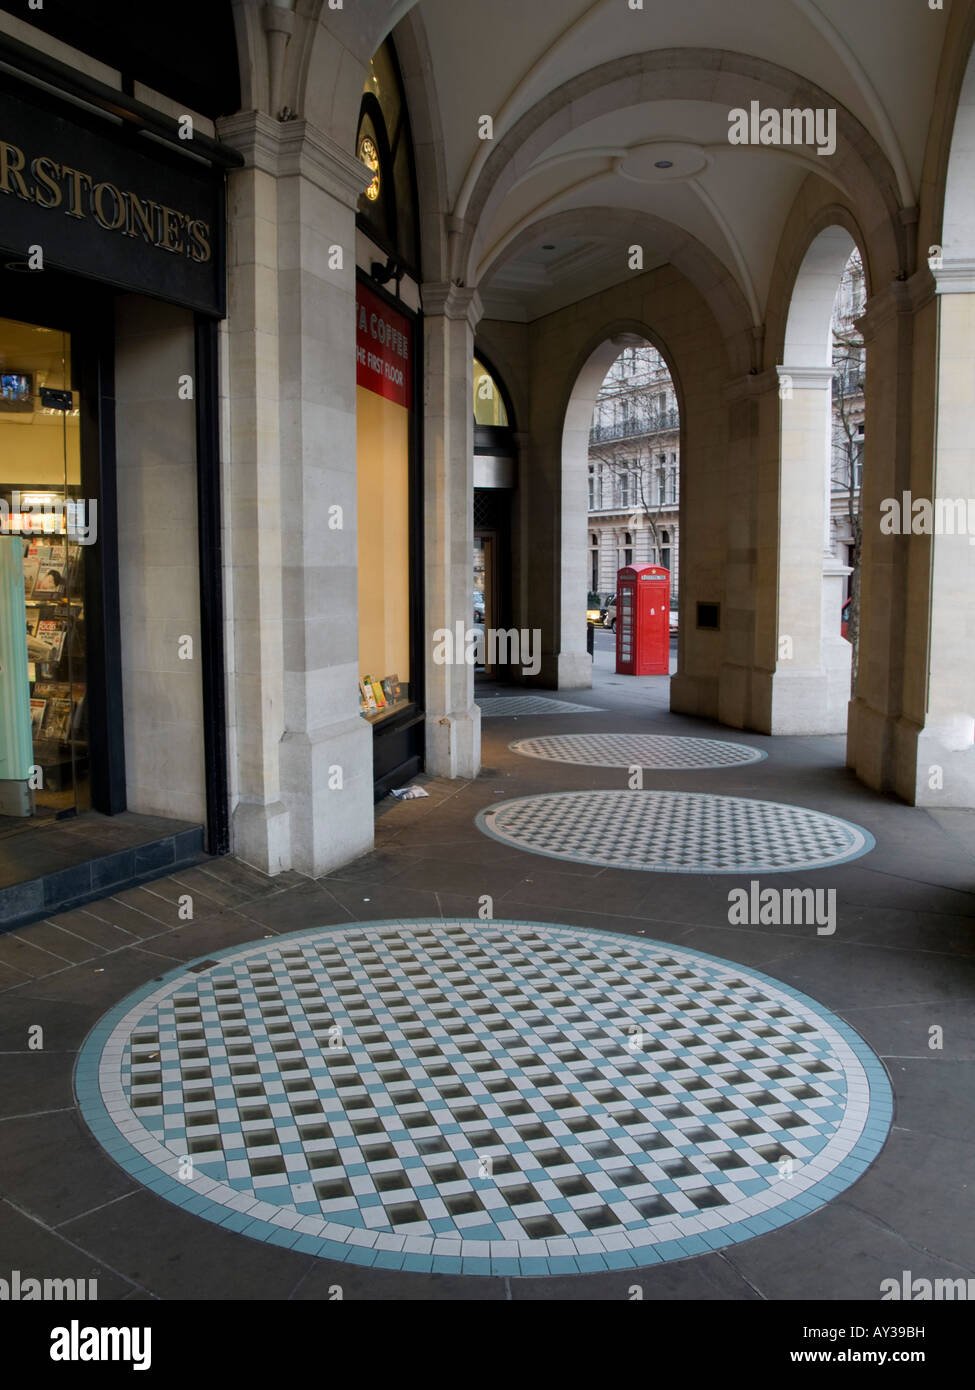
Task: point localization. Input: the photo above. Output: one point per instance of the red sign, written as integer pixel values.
(384, 349)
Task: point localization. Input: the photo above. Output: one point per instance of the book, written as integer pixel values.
(392, 689)
(38, 709)
(377, 690)
(365, 686)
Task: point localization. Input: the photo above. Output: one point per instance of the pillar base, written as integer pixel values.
(573, 671)
(811, 702)
(454, 744)
(745, 698)
(261, 836)
(326, 784)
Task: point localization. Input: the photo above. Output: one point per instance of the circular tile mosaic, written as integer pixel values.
(637, 750)
(483, 1097)
(674, 832)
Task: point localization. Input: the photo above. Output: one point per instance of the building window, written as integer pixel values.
(489, 406)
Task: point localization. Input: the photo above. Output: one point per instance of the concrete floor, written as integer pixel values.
(901, 963)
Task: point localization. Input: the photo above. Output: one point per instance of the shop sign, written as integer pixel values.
(384, 349)
(107, 208)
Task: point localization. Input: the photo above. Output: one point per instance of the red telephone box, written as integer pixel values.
(643, 621)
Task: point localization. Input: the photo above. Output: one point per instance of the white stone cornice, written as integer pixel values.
(288, 148)
(807, 378)
(751, 385)
(954, 277)
(452, 301)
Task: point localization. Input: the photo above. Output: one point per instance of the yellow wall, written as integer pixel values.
(384, 536)
(33, 448)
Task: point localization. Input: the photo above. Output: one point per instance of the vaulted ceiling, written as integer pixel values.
(609, 121)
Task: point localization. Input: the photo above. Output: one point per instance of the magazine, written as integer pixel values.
(31, 568)
(57, 723)
(52, 632)
(37, 710)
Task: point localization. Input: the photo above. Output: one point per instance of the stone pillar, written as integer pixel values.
(573, 665)
(745, 685)
(944, 767)
(252, 499)
(811, 684)
(899, 327)
(453, 720)
(307, 752)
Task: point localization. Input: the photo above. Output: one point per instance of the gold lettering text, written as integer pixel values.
(48, 181)
(11, 163)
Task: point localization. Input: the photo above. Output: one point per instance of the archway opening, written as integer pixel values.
(821, 393)
(630, 499)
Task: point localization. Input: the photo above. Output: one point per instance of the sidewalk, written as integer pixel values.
(899, 965)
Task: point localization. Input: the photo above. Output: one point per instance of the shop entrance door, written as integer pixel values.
(485, 594)
(46, 525)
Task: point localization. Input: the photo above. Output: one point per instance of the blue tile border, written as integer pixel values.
(855, 1163)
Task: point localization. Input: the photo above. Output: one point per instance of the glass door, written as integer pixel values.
(483, 605)
(41, 505)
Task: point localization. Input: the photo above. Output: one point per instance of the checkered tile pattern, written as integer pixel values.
(674, 832)
(503, 706)
(636, 750)
(507, 1093)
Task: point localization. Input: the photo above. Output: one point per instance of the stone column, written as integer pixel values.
(317, 751)
(899, 327)
(573, 665)
(745, 686)
(453, 721)
(811, 684)
(252, 499)
(944, 770)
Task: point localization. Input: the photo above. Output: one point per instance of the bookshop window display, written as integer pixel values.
(45, 525)
(384, 388)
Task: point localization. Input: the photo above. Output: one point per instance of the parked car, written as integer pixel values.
(608, 615)
(673, 616)
(594, 614)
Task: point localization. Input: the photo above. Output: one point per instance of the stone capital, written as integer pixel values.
(899, 297)
(285, 149)
(807, 378)
(277, 19)
(452, 301)
(752, 384)
(954, 277)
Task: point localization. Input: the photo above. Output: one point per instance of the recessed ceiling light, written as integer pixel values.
(548, 246)
(664, 164)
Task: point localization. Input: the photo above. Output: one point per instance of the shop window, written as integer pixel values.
(489, 406)
(387, 210)
(45, 528)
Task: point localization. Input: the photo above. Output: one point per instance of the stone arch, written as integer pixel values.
(694, 74)
(696, 263)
